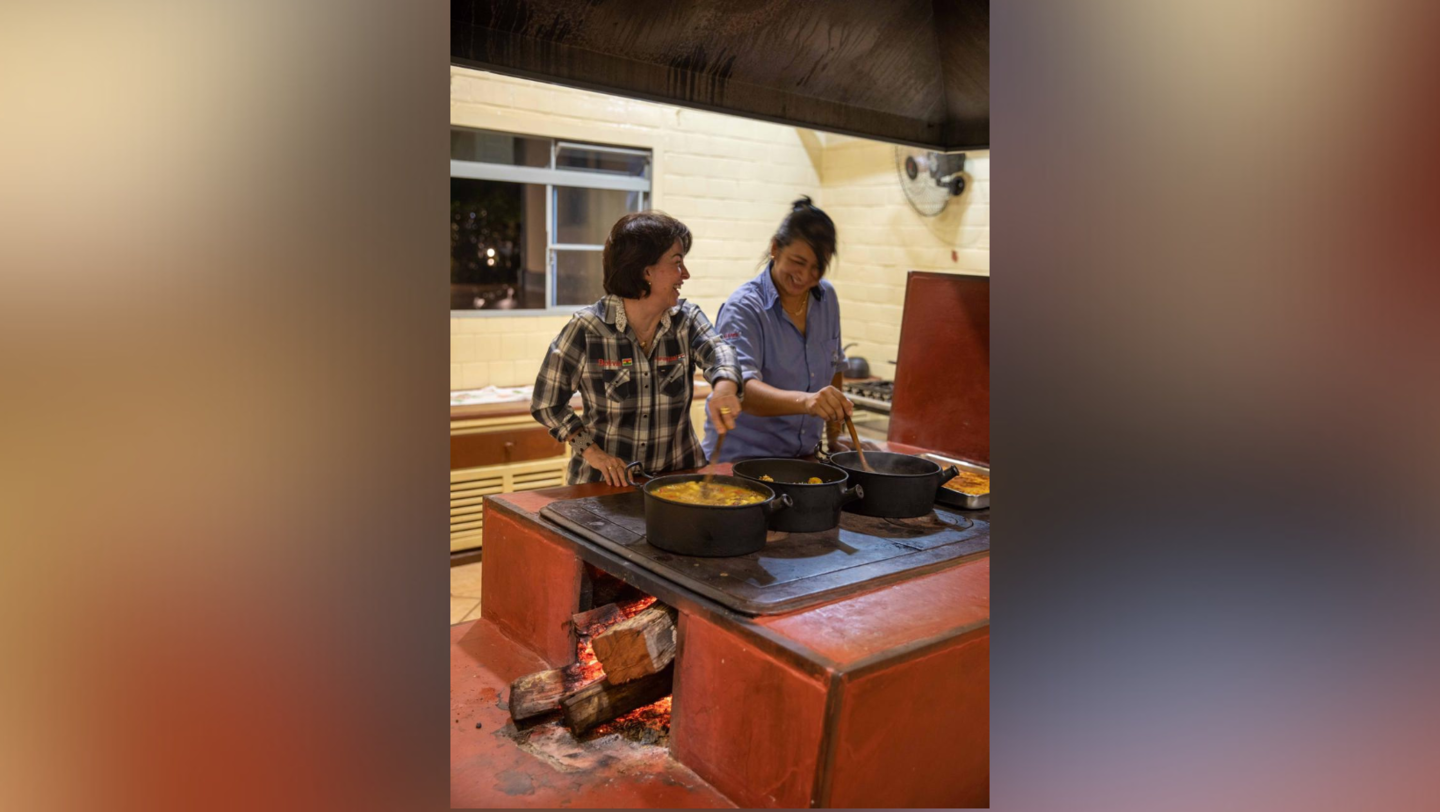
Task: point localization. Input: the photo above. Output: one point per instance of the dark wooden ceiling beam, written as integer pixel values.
(912, 72)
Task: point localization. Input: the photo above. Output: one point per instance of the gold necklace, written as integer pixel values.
(792, 313)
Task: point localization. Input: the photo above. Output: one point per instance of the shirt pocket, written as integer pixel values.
(619, 385)
(672, 382)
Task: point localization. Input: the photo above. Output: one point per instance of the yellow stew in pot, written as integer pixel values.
(814, 480)
(713, 495)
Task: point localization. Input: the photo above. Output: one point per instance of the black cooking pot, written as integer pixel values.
(816, 507)
(898, 486)
(706, 530)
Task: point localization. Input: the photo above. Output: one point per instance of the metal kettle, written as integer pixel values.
(855, 367)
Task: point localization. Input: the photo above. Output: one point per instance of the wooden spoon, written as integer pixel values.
(714, 460)
(854, 438)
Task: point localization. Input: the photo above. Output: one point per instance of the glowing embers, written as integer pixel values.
(586, 667)
(646, 725)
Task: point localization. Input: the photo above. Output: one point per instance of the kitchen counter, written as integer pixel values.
(482, 410)
(761, 703)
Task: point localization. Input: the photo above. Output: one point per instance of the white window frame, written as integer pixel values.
(550, 178)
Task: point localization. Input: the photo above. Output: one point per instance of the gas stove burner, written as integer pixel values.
(879, 390)
(873, 394)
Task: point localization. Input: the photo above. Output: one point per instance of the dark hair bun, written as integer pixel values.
(803, 203)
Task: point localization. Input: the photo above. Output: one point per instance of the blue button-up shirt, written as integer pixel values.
(771, 349)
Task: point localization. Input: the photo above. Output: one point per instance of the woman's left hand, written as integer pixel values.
(724, 406)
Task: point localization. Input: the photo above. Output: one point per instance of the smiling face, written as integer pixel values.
(667, 275)
(796, 270)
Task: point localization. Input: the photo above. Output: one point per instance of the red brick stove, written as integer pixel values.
(879, 698)
(876, 697)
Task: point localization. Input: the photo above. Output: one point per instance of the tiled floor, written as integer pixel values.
(464, 593)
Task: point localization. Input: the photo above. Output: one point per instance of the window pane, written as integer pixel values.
(600, 160)
(498, 148)
(497, 245)
(579, 277)
(585, 216)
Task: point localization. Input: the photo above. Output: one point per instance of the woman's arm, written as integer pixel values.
(721, 369)
(557, 381)
(764, 400)
(716, 357)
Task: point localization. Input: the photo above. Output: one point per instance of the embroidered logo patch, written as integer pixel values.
(604, 364)
(669, 359)
(730, 336)
(626, 362)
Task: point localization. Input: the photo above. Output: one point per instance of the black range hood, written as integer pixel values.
(911, 72)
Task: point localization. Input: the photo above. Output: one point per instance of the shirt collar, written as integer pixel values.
(612, 311)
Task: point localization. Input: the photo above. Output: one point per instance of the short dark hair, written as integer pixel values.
(808, 222)
(637, 241)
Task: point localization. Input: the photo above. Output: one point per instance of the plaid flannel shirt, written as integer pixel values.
(635, 407)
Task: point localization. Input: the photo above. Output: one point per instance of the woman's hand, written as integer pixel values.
(828, 404)
(612, 468)
(724, 406)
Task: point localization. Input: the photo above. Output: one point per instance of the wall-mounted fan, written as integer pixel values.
(930, 179)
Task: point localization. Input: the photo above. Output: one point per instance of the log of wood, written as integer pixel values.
(637, 647)
(541, 692)
(602, 701)
(595, 621)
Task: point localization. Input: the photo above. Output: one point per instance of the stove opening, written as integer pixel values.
(627, 630)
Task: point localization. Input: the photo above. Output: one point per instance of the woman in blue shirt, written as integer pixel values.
(785, 327)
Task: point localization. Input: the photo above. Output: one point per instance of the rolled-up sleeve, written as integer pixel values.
(557, 381)
(742, 327)
(715, 355)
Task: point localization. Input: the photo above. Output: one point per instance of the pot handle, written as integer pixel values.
(949, 474)
(784, 501)
(823, 456)
(634, 470)
(851, 495)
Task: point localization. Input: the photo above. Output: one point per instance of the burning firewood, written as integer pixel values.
(541, 692)
(637, 647)
(602, 701)
(595, 621)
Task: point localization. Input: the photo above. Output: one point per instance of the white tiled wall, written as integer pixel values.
(730, 180)
(882, 237)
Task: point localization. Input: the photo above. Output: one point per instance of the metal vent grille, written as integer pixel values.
(470, 486)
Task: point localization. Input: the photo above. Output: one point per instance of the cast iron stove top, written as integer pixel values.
(794, 570)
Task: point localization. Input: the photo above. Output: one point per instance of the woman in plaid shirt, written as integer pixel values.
(632, 357)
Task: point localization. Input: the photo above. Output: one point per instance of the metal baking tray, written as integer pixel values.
(945, 496)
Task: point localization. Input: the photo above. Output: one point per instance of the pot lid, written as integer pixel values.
(945, 326)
